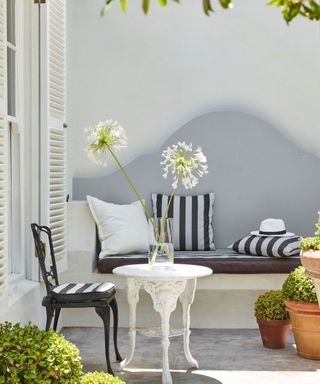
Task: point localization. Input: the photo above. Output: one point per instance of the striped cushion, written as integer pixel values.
(192, 224)
(267, 246)
(76, 288)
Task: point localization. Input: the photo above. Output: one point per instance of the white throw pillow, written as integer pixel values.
(121, 228)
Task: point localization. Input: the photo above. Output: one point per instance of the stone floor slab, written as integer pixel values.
(224, 356)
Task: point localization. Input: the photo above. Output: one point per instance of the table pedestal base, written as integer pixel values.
(164, 296)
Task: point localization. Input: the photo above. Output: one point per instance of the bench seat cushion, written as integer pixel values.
(220, 261)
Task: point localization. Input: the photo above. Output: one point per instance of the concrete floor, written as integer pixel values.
(224, 356)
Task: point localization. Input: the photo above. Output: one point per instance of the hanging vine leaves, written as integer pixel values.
(290, 9)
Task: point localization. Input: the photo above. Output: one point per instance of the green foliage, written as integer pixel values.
(269, 306)
(312, 243)
(100, 378)
(317, 233)
(299, 287)
(206, 5)
(307, 243)
(29, 355)
(290, 8)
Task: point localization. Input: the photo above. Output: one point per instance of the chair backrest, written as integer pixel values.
(40, 247)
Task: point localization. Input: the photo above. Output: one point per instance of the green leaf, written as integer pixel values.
(163, 3)
(207, 8)
(106, 6)
(272, 2)
(225, 3)
(123, 4)
(145, 6)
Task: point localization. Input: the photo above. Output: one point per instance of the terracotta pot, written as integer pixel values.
(305, 322)
(274, 333)
(311, 262)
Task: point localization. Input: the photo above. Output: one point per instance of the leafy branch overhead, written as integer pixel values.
(289, 8)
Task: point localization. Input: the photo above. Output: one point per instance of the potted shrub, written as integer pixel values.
(29, 355)
(302, 304)
(100, 378)
(310, 255)
(273, 319)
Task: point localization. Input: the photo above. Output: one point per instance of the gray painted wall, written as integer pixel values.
(253, 169)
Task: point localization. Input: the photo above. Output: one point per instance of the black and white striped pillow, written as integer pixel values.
(192, 220)
(267, 246)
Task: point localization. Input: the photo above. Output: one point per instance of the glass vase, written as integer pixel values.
(161, 250)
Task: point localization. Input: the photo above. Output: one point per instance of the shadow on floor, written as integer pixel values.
(216, 350)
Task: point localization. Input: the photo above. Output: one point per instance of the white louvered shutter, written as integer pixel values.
(3, 154)
(53, 172)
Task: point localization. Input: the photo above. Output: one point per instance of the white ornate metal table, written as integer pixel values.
(165, 284)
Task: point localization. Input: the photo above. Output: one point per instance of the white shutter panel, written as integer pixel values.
(3, 154)
(3, 203)
(57, 42)
(2, 48)
(57, 193)
(54, 140)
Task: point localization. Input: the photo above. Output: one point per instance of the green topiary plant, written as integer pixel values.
(299, 287)
(29, 355)
(100, 378)
(312, 243)
(269, 306)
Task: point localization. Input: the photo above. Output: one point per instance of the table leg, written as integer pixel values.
(164, 296)
(132, 291)
(186, 299)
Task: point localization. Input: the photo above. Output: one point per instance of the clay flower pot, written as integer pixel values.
(311, 262)
(305, 321)
(274, 333)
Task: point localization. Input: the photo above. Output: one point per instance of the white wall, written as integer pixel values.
(23, 303)
(154, 73)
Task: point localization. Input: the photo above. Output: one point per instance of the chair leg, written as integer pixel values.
(50, 312)
(104, 313)
(114, 307)
(56, 318)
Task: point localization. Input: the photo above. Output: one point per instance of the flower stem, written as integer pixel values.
(134, 190)
(167, 252)
(166, 213)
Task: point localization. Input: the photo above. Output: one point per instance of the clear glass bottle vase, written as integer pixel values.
(161, 250)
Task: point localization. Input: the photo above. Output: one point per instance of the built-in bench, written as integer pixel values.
(223, 300)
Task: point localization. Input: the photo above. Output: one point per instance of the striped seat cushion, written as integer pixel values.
(192, 220)
(272, 246)
(83, 291)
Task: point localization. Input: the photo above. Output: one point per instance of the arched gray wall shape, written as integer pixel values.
(254, 171)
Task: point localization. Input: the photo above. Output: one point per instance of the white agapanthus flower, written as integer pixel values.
(184, 163)
(104, 137)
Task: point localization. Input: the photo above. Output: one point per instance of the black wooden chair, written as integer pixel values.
(100, 296)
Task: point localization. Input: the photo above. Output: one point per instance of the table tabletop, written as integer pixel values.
(162, 272)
